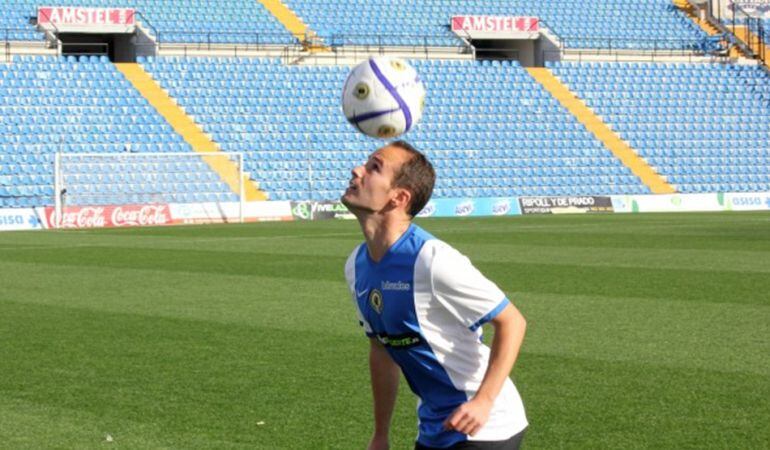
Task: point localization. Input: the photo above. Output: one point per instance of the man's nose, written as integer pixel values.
(357, 171)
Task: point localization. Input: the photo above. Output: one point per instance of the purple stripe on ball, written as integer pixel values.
(394, 93)
(370, 115)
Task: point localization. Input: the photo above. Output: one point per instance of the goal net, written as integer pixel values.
(115, 179)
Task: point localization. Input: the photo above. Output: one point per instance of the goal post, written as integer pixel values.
(114, 179)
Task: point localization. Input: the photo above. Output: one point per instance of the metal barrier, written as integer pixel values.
(647, 50)
(592, 55)
(757, 39)
(736, 17)
(8, 44)
(205, 39)
(338, 55)
(610, 44)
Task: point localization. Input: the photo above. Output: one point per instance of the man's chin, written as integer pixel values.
(352, 206)
(347, 202)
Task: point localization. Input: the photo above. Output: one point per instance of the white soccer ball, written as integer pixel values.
(383, 97)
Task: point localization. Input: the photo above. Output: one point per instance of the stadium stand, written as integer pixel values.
(705, 127)
(490, 128)
(71, 105)
(187, 21)
(631, 24)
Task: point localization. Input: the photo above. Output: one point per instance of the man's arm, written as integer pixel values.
(385, 375)
(509, 326)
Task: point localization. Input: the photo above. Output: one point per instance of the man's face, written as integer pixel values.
(371, 186)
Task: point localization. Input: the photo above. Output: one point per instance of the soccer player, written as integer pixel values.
(422, 304)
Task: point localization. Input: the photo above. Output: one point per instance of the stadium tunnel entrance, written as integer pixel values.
(499, 49)
(118, 47)
(513, 38)
(95, 32)
(114, 46)
(529, 52)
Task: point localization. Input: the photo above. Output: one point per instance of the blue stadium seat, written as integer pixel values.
(686, 131)
(513, 128)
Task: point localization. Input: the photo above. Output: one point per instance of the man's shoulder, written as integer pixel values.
(437, 253)
(435, 245)
(355, 251)
(350, 263)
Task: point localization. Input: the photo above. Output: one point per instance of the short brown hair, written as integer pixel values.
(416, 175)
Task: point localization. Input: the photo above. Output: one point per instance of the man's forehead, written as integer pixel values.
(391, 156)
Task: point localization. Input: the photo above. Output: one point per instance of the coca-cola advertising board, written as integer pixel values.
(163, 214)
(65, 18)
(109, 216)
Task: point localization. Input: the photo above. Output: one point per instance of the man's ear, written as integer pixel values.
(402, 199)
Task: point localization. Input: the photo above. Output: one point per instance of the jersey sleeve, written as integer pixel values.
(464, 291)
(350, 277)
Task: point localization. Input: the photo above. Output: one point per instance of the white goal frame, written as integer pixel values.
(60, 174)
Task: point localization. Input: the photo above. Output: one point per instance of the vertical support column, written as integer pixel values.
(57, 182)
(243, 192)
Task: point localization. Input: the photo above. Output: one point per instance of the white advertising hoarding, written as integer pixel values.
(691, 202)
(12, 219)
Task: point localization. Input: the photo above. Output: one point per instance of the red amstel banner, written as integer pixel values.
(85, 17)
(496, 24)
(110, 216)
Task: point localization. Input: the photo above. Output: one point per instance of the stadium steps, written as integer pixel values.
(295, 25)
(711, 30)
(188, 129)
(601, 131)
(753, 41)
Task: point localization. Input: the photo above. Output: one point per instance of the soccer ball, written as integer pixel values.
(383, 97)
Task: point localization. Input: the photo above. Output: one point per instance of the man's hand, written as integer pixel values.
(469, 417)
(378, 443)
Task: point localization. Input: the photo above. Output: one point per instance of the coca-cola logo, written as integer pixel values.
(123, 216)
(85, 217)
(110, 216)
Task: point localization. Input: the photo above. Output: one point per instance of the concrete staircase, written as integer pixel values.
(710, 29)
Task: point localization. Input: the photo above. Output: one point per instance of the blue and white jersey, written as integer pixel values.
(425, 302)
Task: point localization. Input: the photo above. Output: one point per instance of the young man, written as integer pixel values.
(422, 305)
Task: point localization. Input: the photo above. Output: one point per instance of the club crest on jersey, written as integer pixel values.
(375, 300)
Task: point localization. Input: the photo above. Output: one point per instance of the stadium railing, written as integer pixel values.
(209, 38)
(650, 50)
(420, 47)
(10, 46)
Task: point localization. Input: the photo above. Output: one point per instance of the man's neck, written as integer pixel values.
(381, 232)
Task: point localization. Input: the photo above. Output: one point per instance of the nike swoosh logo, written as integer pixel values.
(358, 294)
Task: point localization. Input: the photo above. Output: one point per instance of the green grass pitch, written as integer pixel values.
(644, 331)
